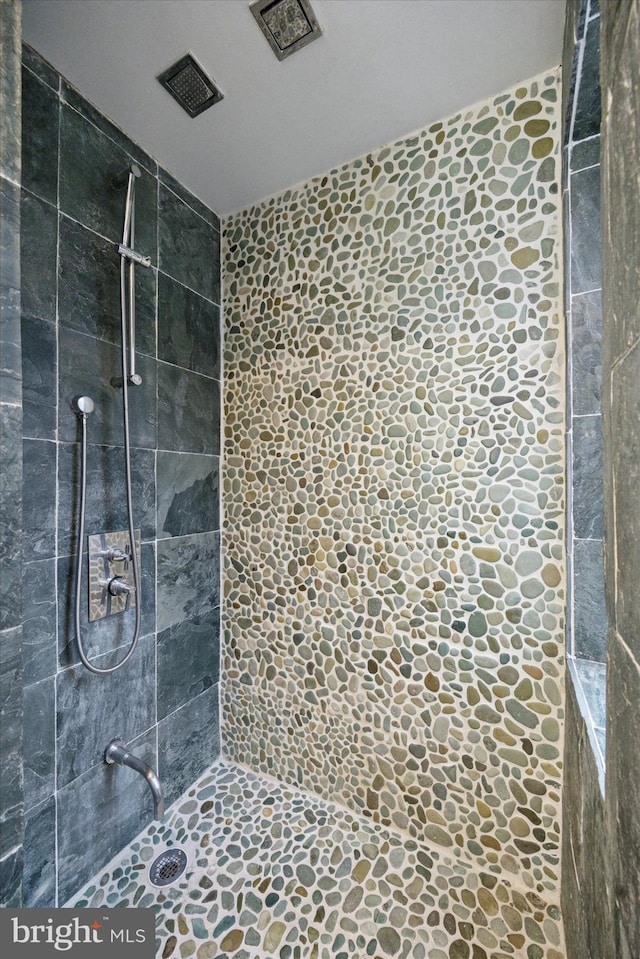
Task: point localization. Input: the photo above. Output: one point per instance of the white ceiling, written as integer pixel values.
(382, 69)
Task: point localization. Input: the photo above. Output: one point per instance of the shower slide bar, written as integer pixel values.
(84, 406)
(129, 257)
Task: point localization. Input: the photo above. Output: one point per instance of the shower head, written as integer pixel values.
(123, 178)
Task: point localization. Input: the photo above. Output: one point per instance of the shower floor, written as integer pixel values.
(278, 874)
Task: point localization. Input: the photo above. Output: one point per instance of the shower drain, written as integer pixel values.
(168, 867)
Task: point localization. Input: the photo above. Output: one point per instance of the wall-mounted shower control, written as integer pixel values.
(111, 583)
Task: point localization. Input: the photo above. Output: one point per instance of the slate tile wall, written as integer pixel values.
(164, 702)
(621, 416)
(588, 633)
(11, 633)
(601, 847)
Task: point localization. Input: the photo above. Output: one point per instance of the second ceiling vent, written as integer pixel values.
(288, 25)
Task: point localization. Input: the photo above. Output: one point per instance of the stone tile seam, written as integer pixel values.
(96, 765)
(584, 169)
(155, 267)
(11, 852)
(71, 329)
(70, 106)
(597, 289)
(620, 360)
(628, 652)
(9, 179)
(442, 852)
(156, 175)
(25, 66)
(577, 72)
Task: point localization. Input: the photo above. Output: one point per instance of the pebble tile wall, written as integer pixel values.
(394, 486)
(276, 872)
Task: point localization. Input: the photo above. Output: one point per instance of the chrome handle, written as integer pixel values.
(118, 586)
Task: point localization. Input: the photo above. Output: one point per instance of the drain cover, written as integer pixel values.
(167, 867)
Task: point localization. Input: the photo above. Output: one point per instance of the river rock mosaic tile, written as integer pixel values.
(274, 872)
(394, 485)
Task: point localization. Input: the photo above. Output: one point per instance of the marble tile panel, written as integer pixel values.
(189, 247)
(89, 288)
(188, 493)
(189, 198)
(188, 578)
(39, 879)
(11, 864)
(112, 794)
(584, 154)
(10, 516)
(586, 255)
(40, 116)
(73, 98)
(39, 598)
(188, 411)
(623, 726)
(188, 328)
(593, 680)
(32, 60)
(586, 353)
(587, 477)
(10, 37)
(88, 162)
(587, 117)
(10, 362)
(87, 366)
(10, 385)
(94, 709)
(590, 615)
(9, 235)
(11, 712)
(38, 254)
(111, 635)
(625, 416)
(39, 500)
(39, 733)
(188, 661)
(39, 379)
(106, 498)
(188, 742)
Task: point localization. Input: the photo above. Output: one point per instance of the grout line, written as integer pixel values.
(57, 524)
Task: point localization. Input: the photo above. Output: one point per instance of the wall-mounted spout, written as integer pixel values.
(117, 752)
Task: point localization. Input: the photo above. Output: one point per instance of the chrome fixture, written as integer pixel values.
(128, 260)
(288, 25)
(111, 585)
(187, 83)
(168, 867)
(117, 753)
(117, 586)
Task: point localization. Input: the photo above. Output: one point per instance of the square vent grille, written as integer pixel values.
(288, 25)
(187, 83)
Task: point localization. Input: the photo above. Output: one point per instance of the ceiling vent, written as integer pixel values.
(187, 82)
(288, 25)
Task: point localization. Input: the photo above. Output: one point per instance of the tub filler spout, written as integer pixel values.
(117, 752)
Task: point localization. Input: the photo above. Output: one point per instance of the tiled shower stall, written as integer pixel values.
(389, 697)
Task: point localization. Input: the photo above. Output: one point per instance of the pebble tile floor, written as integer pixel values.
(274, 872)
